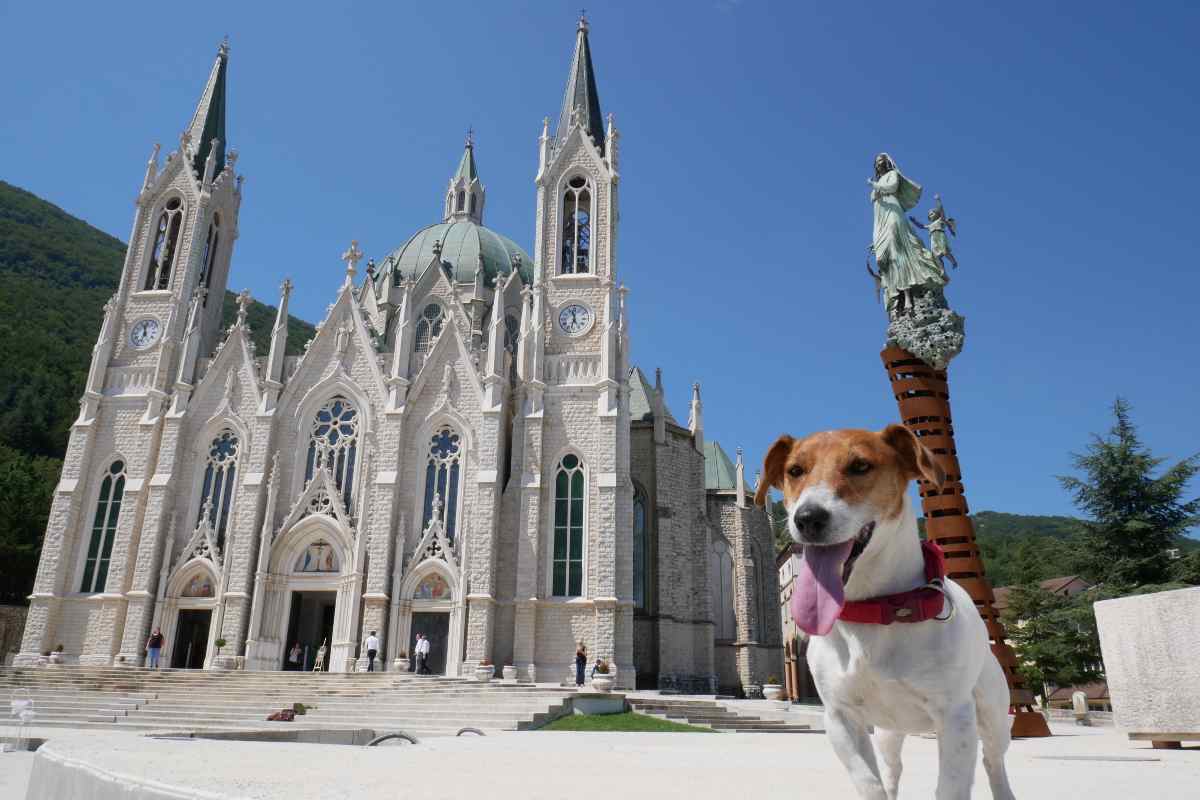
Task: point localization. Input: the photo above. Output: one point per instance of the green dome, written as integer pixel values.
(462, 242)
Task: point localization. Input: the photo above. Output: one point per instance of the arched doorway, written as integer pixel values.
(309, 598)
(430, 605)
(189, 616)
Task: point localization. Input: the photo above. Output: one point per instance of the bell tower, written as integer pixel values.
(177, 264)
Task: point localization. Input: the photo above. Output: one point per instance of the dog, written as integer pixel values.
(846, 494)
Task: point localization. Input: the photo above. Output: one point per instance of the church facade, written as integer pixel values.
(463, 450)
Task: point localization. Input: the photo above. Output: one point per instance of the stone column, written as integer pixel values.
(923, 396)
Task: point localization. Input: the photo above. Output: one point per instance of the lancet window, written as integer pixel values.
(166, 241)
(512, 338)
(569, 488)
(577, 227)
(220, 476)
(104, 528)
(428, 327)
(720, 564)
(443, 468)
(211, 243)
(640, 548)
(333, 446)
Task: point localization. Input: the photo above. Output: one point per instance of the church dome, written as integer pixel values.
(466, 245)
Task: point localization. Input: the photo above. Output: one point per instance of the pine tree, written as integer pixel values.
(1135, 517)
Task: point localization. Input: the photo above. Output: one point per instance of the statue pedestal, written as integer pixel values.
(923, 396)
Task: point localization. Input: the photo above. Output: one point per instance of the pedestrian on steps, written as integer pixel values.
(580, 663)
(372, 646)
(154, 649)
(424, 644)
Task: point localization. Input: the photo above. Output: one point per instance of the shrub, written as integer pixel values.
(602, 667)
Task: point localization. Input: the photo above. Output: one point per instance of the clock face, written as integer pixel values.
(143, 333)
(575, 319)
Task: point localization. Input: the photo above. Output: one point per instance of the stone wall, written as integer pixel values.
(12, 625)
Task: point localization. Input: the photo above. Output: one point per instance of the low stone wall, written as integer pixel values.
(1151, 648)
(12, 627)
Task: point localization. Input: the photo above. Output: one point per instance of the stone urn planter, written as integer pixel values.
(484, 672)
(510, 673)
(401, 664)
(56, 657)
(602, 683)
(754, 691)
(772, 691)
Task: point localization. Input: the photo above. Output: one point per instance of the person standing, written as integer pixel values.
(294, 656)
(580, 663)
(416, 653)
(154, 649)
(425, 646)
(372, 645)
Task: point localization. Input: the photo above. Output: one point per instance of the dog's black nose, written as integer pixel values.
(811, 521)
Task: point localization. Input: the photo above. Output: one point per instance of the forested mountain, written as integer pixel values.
(56, 272)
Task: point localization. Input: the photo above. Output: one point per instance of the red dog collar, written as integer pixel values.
(920, 604)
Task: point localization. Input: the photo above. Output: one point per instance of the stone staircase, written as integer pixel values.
(191, 700)
(711, 714)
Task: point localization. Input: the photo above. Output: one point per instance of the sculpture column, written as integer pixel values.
(923, 396)
(923, 336)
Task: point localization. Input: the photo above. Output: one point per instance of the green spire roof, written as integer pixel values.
(719, 471)
(466, 167)
(581, 93)
(208, 123)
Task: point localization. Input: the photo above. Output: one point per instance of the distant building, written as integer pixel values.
(798, 681)
(1064, 586)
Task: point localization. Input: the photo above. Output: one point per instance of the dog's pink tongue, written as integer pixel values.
(817, 593)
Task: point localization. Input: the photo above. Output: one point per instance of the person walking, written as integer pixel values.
(425, 646)
(294, 656)
(418, 654)
(372, 645)
(154, 649)
(580, 663)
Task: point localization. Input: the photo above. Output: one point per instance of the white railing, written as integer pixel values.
(572, 369)
(128, 380)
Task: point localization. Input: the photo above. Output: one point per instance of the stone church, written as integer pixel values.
(463, 450)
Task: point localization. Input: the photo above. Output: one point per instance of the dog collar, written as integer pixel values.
(917, 605)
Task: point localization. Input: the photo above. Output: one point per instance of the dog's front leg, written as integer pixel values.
(853, 747)
(958, 747)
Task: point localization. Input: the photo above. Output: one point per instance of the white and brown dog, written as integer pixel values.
(865, 573)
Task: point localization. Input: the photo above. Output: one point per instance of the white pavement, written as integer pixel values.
(1096, 764)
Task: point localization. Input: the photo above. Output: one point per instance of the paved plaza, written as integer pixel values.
(1095, 763)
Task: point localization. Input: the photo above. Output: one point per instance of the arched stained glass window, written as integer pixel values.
(720, 564)
(333, 446)
(166, 241)
(104, 528)
(567, 569)
(577, 227)
(220, 475)
(428, 328)
(207, 263)
(640, 548)
(442, 473)
(512, 338)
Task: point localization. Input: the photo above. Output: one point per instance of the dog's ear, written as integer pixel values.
(917, 460)
(772, 474)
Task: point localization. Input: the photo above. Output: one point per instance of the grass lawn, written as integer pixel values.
(628, 721)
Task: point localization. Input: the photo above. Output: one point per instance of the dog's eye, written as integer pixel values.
(795, 470)
(859, 467)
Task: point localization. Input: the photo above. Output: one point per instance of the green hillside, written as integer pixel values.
(56, 272)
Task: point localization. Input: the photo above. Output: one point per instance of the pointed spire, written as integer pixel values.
(741, 480)
(466, 165)
(352, 256)
(696, 418)
(581, 102)
(206, 132)
(660, 408)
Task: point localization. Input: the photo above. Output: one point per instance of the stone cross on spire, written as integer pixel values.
(352, 256)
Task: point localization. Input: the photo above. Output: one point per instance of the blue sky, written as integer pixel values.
(1062, 138)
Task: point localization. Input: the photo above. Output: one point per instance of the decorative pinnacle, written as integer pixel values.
(352, 256)
(223, 50)
(739, 456)
(243, 301)
(437, 247)
(285, 288)
(470, 138)
(583, 23)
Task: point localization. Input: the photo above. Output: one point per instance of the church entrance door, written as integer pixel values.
(436, 627)
(191, 639)
(310, 624)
